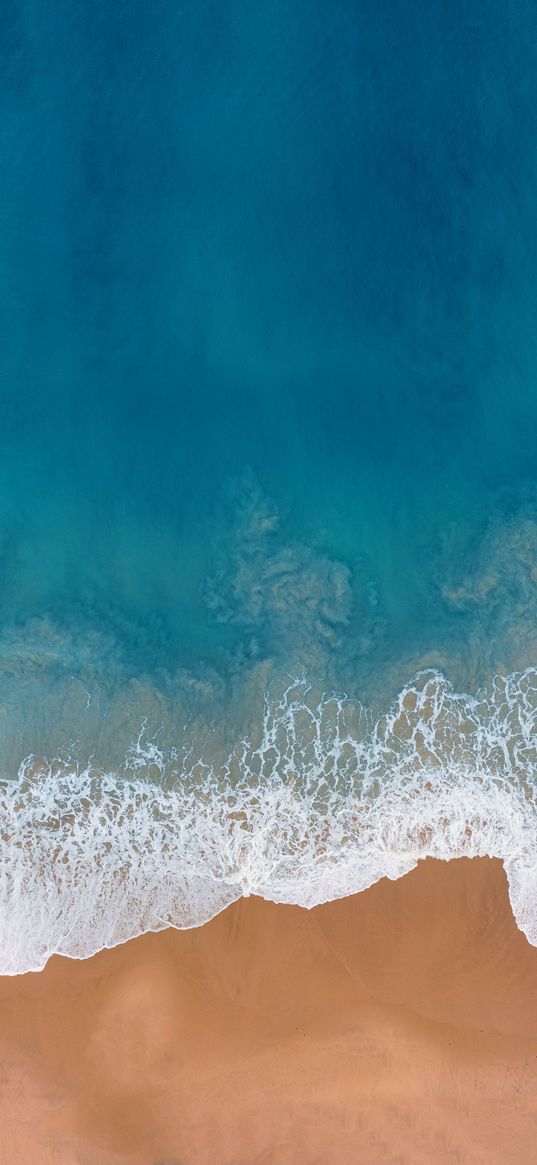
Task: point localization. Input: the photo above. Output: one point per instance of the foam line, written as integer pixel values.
(321, 805)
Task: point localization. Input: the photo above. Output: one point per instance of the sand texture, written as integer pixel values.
(398, 1026)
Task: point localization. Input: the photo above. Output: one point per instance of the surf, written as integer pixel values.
(319, 803)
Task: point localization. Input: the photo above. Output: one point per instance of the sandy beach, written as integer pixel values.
(398, 1026)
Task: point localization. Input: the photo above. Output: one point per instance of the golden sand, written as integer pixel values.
(398, 1026)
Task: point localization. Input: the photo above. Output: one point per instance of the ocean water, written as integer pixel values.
(268, 472)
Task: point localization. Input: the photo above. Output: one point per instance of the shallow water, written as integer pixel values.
(267, 402)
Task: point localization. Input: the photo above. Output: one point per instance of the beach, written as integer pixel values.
(268, 583)
(395, 1026)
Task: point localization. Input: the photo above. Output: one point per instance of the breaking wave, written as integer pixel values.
(321, 805)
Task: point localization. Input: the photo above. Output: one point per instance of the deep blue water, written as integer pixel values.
(268, 356)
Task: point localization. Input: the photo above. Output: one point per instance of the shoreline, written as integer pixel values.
(109, 857)
(400, 1023)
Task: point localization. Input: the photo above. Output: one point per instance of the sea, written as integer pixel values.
(268, 456)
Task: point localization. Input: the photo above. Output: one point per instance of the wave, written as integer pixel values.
(325, 802)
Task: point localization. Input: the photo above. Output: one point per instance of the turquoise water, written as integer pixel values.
(268, 413)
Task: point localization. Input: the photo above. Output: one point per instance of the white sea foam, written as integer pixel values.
(323, 804)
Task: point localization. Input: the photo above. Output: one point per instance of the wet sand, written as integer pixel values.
(399, 1026)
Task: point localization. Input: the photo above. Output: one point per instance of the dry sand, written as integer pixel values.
(397, 1026)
